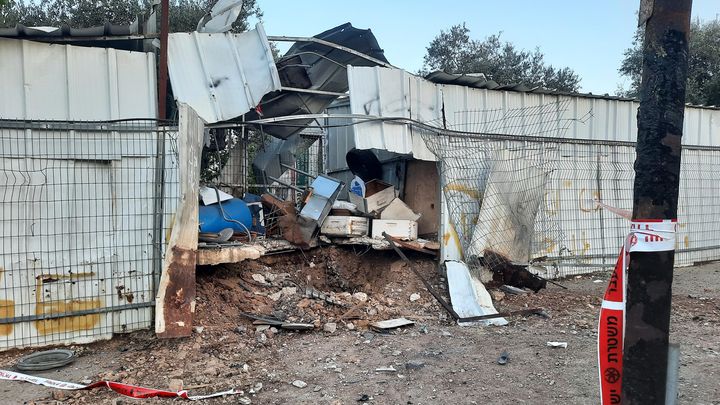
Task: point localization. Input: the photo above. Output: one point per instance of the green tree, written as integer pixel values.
(703, 81)
(453, 51)
(184, 14)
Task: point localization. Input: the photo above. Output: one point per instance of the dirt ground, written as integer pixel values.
(435, 361)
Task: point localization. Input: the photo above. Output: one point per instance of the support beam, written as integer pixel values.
(175, 301)
(657, 179)
(163, 66)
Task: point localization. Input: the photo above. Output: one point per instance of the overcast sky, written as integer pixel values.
(588, 36)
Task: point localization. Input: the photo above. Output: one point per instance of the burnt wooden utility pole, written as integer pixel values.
(657, 178)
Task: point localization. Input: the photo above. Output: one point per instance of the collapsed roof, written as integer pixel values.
(318, 68)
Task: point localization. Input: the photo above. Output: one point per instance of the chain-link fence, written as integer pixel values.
(83, 217)
(229, 154)
(536, 197)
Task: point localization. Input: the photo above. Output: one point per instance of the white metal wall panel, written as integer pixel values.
(106, 206)
(384, 92)
(63, 82)
(221, 76)
(392, 93)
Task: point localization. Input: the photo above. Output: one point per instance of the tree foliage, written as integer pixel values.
(453, 51)
(184, 14)
(703, 81)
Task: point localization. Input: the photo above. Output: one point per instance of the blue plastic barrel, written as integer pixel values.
(212, 221)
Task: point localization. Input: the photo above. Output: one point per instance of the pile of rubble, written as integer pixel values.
(332, 288)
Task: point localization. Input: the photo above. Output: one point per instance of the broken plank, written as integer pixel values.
(413, 246)
(175, 301)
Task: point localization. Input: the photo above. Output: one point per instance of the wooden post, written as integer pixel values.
(163, 68)
(657, 179)
(175, 301)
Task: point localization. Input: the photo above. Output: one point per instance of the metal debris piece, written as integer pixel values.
(46, 360)
(392, 323)
(299, 383)
(504, 358)
(558, 344)
(262, 320)
(512, 290)
(297, 326)
(390, 369)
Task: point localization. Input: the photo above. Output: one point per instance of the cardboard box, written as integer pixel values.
(399, 228)
(378, 195)
(397, 209)
(345, 226)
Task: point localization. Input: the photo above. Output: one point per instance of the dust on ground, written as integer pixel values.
(342, 361)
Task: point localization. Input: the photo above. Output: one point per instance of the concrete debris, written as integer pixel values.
(317, 388)
(198, 329)
(330, 327)
(175, 384)
(390, 369)
(244, 400)
(313, 293)
(360, 296)
(350, 326)
(414, 297)
(497, 296)
(299, 384)
(261, 337)
(288, 291)
(259, 278)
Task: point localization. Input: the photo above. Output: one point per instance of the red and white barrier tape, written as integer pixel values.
(652, 235)
(128, 390)
(645, 236)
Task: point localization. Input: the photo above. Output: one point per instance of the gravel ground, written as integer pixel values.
(432, 362)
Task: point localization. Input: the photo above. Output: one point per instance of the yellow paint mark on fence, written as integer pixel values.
(567, 183)
(70, 323)
(50, 307)
(473, 193)
(551, 245)
(7, 310)
(686, 241)
(595, 195)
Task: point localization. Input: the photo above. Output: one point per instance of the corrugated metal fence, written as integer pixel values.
(82, 218)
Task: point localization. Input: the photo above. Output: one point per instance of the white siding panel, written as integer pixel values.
(222, 76)
(63, 82)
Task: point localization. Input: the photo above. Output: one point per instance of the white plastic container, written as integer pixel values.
(398, 228)
(336, 225)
